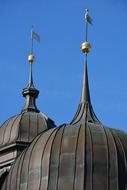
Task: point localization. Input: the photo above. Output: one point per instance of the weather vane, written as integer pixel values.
(34, 36)
(86, 47)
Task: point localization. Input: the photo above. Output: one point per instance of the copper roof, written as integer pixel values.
(27, 125)
(23, 128)
(84, 155)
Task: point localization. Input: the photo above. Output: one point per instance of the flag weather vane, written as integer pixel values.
(88, 20)
(34, 36)
(86, 47)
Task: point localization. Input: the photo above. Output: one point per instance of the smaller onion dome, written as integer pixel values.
(23, 128)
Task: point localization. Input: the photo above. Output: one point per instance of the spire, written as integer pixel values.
(85, 110)
(30, 92)
(85, 97)
(86, 47)
(31, 84)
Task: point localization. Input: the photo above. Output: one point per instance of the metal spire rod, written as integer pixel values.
(31, 75)
(85, 96)
(88, 20)
(86, 14)
(31, 57)
(31, 50)
(86, 45)
(86, 31)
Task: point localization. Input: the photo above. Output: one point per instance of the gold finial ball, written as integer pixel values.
(31, 58)
(86, 47)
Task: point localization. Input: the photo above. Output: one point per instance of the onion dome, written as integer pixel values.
(83, 155)
(29, 123)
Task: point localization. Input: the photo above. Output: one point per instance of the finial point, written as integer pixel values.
(31, 58)
(86, 47)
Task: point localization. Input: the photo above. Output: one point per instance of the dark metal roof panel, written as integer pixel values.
(8, 132)
(82, 156)
(24, 128)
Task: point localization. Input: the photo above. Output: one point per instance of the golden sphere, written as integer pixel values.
(86, 47)
(31, 58)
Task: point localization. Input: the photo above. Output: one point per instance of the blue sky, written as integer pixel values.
(58, 70)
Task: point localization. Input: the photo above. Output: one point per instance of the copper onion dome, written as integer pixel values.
(23, 128)
(84, 155)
